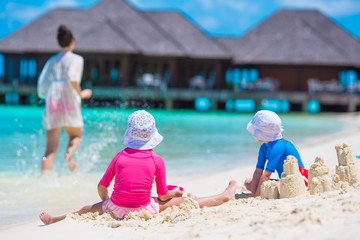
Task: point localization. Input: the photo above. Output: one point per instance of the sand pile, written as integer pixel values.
(320, 180)
(142, 218)
(348, 169)
(347, 172)
(269, 190)
(292, 182)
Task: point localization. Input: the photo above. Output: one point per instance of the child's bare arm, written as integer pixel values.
(264, 177)
(103, 192)
(255, 181)
(171, 194)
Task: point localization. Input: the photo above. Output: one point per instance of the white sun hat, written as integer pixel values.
(265, 126)
(141, 133)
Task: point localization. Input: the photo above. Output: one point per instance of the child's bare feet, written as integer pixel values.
(71, 163)
(229, 192)
(46, 218)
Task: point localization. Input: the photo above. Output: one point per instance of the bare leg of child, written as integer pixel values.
(74, 135)
(52, 143)
(211, 201)
(247, 183)
(48, 219)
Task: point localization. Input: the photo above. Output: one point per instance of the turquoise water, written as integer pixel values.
(195, 143)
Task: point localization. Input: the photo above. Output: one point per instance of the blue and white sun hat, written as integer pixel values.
(141, 133)
(265, 126)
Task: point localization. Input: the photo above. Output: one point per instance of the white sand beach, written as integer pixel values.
(332, 215)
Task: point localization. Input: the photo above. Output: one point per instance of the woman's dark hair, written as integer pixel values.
(64, 36)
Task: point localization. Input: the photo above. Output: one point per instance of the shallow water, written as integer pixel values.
(195, 143)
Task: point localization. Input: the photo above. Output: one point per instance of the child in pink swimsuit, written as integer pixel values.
(134, 170)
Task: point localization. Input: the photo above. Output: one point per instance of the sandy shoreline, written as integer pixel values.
(334, 215)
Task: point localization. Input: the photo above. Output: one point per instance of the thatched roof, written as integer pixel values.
(40, 35)
(304, 37)
(191, 39)
(117, 27)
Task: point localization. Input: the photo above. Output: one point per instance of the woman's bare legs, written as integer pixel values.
(48, 219)
(74, 134)
(211, 201)
(52, 144)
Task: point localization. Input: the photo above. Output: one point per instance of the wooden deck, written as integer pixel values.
(350, 101)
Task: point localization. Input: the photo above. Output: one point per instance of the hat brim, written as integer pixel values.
(261, 135)
(130, 142)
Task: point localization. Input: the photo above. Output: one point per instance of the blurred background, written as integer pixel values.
(205, 54)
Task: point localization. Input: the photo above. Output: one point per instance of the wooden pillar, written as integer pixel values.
(89, 71)
(299, 80)
(219, 75)
(158, 69)
(304, 105)
(16, 71)
(215, 103)
(120, 76)
(126, 71)
(173, 66)
(352, 104)
(187, 73)
(5, 69)
(111, 67)
(169, 104)
(101, 70)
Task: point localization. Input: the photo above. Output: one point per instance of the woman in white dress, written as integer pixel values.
(59, 85)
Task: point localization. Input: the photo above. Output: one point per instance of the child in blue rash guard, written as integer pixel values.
(266, 127)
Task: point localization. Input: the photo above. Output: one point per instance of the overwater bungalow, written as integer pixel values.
(293, 46)
(291, 55)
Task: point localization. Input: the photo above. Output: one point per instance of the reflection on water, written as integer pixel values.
(198, 143)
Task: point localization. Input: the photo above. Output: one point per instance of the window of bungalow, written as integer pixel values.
(27, 70)
(136, 73)
(166, 74)
(107, 72)
(114, 73)
(348, 79)
(23, 70)
(12, 70)
(241, 77)
(95, 75)
(211, 79)
(2, 67)
(32, 68)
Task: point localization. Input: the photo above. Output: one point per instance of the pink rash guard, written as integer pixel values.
(134, 172)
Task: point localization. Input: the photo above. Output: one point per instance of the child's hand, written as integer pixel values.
(174, 191)
(85, 94)
(177, 192)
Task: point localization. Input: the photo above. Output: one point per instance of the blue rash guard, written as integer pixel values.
(276, 152)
